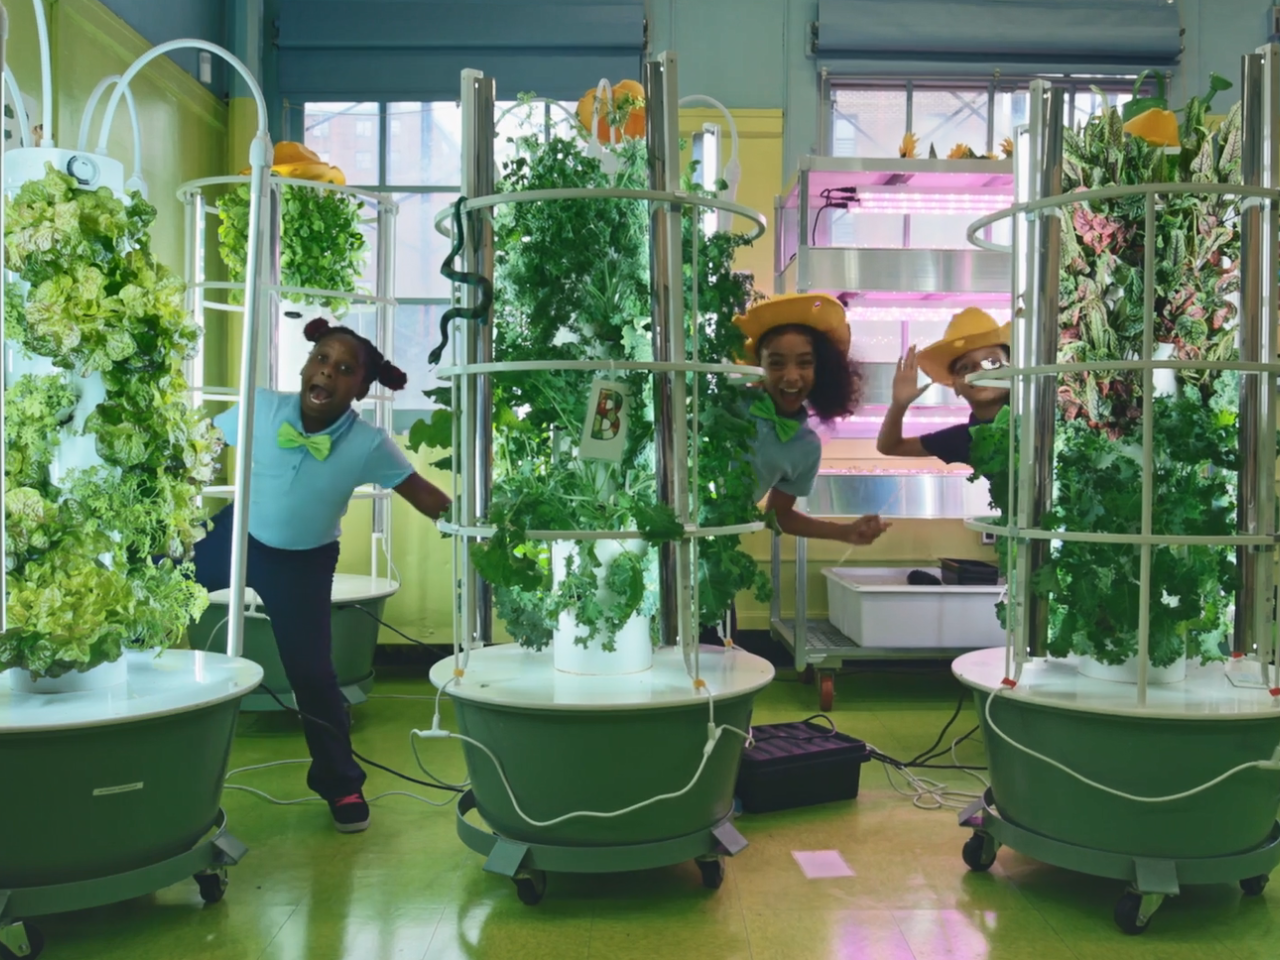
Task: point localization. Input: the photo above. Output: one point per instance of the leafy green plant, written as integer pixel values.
(1092, 588)
(321, 246)
(82, 576)
(571, 283)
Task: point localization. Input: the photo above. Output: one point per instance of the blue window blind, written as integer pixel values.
(1085, 33)
(414, 50)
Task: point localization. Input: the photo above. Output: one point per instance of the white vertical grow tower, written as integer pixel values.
(116, 772)
(357, 598)
(1156, 781)
(582, 760)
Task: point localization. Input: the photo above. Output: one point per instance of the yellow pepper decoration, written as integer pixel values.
(1158, 127)
(908, 150)
(295, 161)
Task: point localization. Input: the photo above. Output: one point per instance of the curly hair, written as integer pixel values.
(376, 367)
(837, 377)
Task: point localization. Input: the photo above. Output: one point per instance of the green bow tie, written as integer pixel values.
(765, 410)
(290, 437)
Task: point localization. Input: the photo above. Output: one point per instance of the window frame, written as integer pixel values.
(297, 129)
(830, 84)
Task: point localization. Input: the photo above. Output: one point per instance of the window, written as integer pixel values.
(869, 119)
(421, 162)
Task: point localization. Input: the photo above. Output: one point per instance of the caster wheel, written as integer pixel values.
(30, 933)
(979, 853)
(826, 691)
(1128, 914)
(712, 872)
(806, 676)
(531, 887)
(1253, 886)
(213, 886)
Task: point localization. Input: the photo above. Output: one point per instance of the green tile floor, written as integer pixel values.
(409, 889)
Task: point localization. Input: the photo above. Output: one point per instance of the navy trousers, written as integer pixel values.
(295, 587)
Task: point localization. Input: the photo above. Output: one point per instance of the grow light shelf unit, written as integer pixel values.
(1143, 777)
(887, 238)
(580, 757)
(286, 311)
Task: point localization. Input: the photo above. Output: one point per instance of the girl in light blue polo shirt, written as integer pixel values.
(310, 452)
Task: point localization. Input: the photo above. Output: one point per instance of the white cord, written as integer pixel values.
(713, 738)
(1272, 764)
(288, 803)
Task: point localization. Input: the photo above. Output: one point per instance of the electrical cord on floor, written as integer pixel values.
(442, 649)
(313, 799)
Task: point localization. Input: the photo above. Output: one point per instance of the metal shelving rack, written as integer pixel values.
(207, 298)
(896, 281)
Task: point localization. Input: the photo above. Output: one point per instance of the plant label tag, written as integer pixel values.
(604, 435)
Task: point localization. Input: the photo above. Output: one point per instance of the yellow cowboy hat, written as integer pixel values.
(820, 311)
(970, 329)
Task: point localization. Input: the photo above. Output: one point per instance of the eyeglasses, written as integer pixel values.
(988, 364)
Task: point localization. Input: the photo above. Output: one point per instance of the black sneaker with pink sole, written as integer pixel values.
(350, 813)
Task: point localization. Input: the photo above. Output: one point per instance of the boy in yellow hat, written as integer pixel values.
(973, 341)
(802, 342)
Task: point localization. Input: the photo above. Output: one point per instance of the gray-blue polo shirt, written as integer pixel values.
(790, 467)
(297, 502)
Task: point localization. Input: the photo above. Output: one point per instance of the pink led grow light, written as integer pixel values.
(943, 204)
(929, 314)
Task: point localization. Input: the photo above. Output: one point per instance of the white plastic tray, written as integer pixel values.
(875, 607)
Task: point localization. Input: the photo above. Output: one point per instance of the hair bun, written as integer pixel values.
(392, 377)
(315, 329)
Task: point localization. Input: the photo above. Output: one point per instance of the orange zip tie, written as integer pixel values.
(699, 684)
(459, 672)
(728, 642)
(1006, 682)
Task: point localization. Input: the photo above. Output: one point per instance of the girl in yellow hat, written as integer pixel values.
(802, 342)
(973, 341)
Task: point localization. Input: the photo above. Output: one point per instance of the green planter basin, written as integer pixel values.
(355, 636)
(1188, 734)
(102, 782)
(578, 743)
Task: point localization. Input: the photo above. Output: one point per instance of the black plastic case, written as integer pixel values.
(799, 765)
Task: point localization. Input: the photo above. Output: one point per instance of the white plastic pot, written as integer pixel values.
(633, 649)
(1127, 672)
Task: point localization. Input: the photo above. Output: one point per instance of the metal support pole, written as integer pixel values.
(260, 197)
(478, 95)
(667, 305)
(197, 230)
(1038, 347)
(1260, 94)
(269, 296)
(385, 336)
(4, 565)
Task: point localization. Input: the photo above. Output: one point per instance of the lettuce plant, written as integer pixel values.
(83, 577)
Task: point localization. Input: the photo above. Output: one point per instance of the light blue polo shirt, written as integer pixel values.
(791, 467)
(297, 502)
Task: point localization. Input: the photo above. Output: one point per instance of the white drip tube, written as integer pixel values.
(732, 168)
(19, 108)
(136, 180)
(46, 76)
